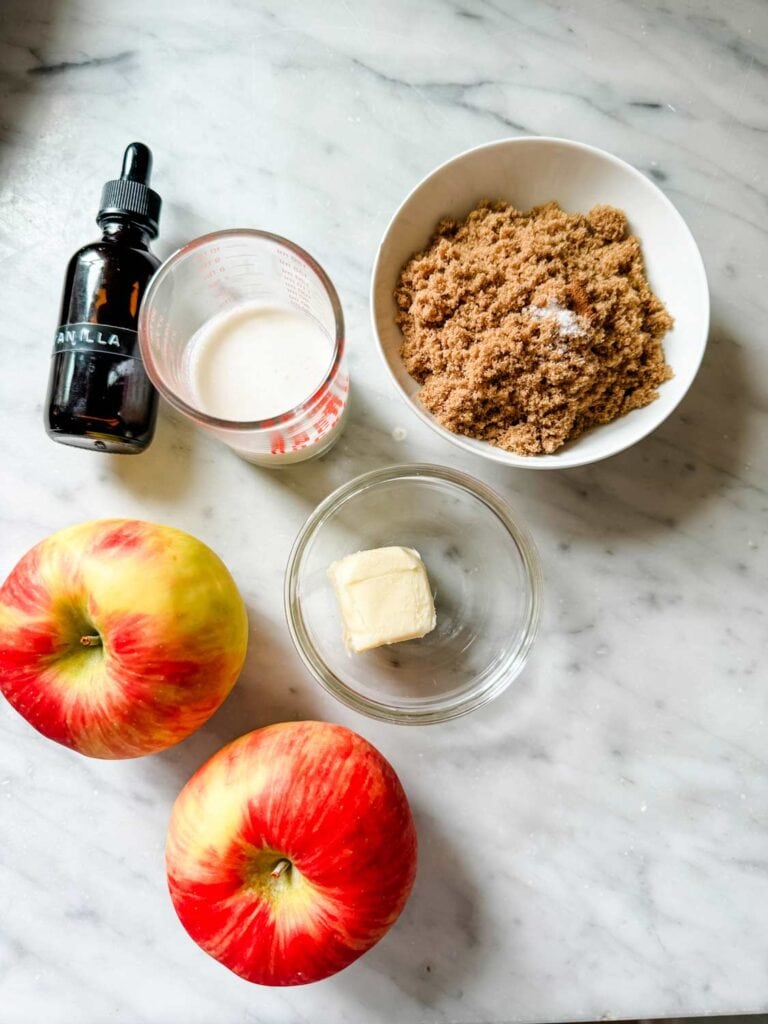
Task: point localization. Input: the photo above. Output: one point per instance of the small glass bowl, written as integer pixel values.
(485, 575)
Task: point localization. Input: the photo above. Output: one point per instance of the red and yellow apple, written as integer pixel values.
(120, 637)
(291, 852)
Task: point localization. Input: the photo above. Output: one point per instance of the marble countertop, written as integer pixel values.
(594, 844)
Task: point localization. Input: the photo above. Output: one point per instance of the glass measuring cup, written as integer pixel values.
(213, 274)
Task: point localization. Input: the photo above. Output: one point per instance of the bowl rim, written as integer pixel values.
(553, 461)
(438, 709)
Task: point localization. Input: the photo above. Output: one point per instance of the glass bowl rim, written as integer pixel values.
(439, 709)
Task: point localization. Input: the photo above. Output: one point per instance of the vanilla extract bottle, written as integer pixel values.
(99, 395)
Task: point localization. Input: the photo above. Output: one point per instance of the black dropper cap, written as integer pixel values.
(130, 194)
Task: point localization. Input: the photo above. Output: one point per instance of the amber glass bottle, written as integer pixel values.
(99, 395)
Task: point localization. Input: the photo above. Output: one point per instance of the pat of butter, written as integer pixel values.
(384, 597)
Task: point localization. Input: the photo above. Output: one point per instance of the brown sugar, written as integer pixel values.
(526, 329)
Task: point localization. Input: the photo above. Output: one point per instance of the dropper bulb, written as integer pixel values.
(130, 195)
(137, 163)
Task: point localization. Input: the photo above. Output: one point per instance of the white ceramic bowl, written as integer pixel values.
(527, 172)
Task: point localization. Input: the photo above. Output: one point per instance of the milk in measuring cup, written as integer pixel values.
(257, 362)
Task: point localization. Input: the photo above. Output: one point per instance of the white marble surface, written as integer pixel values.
(594, 844)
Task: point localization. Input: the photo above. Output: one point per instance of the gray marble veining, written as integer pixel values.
(595, 843)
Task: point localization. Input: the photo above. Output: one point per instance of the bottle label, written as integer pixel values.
(84, 337)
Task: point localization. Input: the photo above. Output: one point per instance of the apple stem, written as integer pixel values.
(94, 640)
(280, 867)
